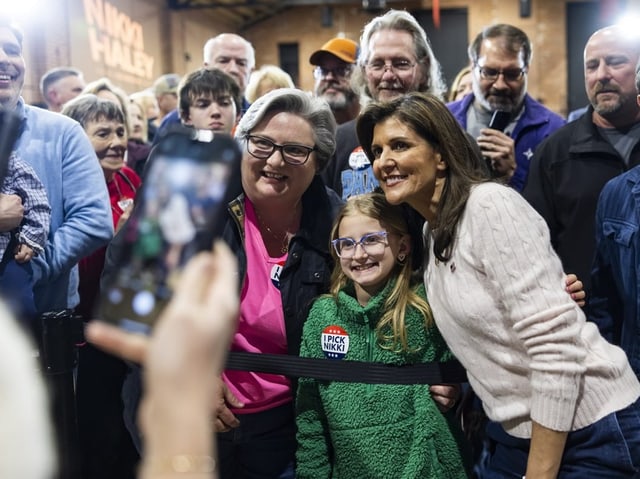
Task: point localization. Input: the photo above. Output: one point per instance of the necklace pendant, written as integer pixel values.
(284, 249)
(284, 240)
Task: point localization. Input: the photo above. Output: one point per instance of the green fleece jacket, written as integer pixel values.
(354, 430)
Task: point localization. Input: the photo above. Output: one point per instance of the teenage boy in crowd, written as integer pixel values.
(209, 100)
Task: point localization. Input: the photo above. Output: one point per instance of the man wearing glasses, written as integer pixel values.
(500, 57)
(334, 63)
(395, 58)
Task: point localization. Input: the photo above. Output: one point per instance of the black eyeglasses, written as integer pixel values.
(510, 74)
(292, 153)
(372, 243)
(337, 72)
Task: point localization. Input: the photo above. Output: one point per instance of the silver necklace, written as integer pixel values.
(283, 240)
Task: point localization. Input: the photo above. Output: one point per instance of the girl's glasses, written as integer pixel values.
(372, 243)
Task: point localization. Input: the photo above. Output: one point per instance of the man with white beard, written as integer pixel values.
(395, 58)
(334, 63)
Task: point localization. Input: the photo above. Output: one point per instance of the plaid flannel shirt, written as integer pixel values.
(22, 180)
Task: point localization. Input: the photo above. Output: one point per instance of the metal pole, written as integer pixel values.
(57, 335)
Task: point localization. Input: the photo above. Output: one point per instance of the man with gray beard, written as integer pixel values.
(500, 57)
(395, 58)
(334, 63)
(569, 169)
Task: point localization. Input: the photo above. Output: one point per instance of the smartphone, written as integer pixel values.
(500, 120)
(179, 210)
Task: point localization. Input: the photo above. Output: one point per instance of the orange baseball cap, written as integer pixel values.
(343, 48)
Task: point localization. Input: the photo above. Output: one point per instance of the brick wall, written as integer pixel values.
(545, 27)
(176, 38)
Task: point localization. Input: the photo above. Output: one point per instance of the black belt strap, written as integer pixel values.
(348, 371)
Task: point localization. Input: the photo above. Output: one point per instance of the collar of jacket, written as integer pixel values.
(21, 110)
(633, 177)
(370, 313)
(533, 112)
(319, 208)
(587, 139)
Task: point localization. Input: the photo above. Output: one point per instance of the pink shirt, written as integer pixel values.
(261, 328)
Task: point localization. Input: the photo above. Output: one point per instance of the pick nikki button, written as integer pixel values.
(334, 342)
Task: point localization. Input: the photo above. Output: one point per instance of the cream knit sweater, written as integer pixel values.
(500, 303)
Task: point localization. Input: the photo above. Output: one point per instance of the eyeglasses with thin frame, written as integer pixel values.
(292, 153)
(372, 243)
(509, 74)
(398, 65)
(338, 72)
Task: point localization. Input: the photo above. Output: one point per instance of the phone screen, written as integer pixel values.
(179, 211)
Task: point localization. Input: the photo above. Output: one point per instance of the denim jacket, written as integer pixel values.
(614, 304)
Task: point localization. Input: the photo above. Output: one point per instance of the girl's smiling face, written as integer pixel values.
(372, 265)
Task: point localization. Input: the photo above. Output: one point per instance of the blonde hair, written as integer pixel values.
(147, 99)
(137, 101)
(271, 75)
(453, 92)
(403, 295)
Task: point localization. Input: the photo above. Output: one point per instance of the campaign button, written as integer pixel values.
(358, 159)
(334, 342)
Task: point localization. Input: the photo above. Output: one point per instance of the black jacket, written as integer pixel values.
(307, 272)
(305, 276)
(568, 171)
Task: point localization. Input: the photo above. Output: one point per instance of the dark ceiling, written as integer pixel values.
(245, 13)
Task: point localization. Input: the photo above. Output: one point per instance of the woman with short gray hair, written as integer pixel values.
(279, 229)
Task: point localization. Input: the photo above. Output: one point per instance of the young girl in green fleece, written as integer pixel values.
(377, 311)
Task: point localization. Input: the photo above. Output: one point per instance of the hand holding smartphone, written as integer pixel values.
(500, 119)
(179, 211)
